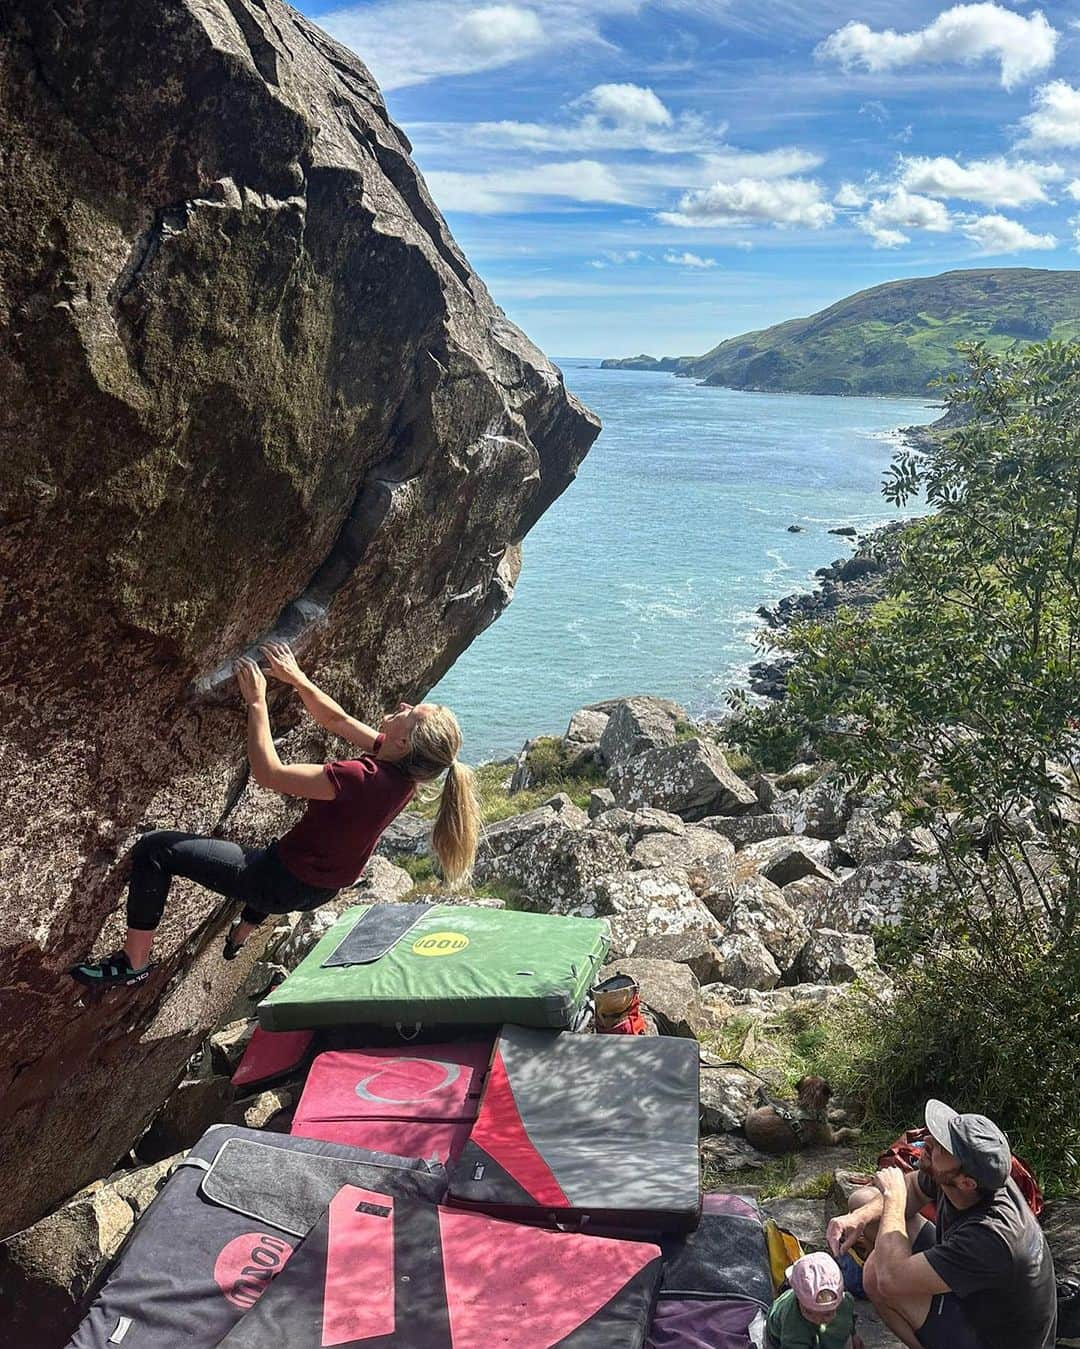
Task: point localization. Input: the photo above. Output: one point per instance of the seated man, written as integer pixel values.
(981, 1276)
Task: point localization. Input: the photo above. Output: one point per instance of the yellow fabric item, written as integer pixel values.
(784, 1249)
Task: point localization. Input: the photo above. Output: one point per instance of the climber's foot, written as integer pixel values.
(110, 972)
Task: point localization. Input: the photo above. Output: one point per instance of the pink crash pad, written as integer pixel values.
(271, 1054)
(410, 1100)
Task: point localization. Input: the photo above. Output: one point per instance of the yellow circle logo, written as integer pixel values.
(440, 944)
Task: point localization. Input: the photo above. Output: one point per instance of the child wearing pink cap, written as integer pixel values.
(815, 1312)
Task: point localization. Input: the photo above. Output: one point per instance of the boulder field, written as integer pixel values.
(249, 386)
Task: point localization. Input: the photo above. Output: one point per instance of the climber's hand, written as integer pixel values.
(251, 681)
(282, 662)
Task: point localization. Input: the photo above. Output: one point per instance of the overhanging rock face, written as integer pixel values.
(248, 385)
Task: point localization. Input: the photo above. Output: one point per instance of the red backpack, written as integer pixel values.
(617, 1007)
(906, 1151)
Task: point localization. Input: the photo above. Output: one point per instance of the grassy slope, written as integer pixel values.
(895, 338)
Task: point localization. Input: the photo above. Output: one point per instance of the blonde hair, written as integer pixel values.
(433, 749)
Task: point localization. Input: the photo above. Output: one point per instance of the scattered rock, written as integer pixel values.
(794, 529)
(871, 895)
(270, 1110)
(805, 1218)
(732, 1152)
(185, 1117)
(228, 1044)
(726, 1096)
(831, 957)
(846, 531)
(746, 962)
(636, 725)
(668, 989)
(759, 909)
(50, 1271)
(644, 904)
(693, 948)
(692, 779)
(691, 852)
(745, 829)
(822, 809)
(783, 860)
(601, 799)
(650, 820)
(587, 726)
(407, 836)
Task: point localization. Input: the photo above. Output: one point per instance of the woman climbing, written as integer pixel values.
(350, 803)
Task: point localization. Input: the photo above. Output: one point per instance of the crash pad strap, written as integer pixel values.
(375, 932)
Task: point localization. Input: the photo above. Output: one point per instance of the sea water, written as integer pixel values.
(644, 577)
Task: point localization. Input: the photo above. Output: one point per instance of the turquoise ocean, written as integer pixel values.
(645, 575)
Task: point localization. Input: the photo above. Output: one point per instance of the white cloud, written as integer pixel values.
(849, 195)
(1073, 189)
(516, 190)
(906, 210)
(1056, 119)
(780, 201)
(998, 234)
(1024, 47)
(689, 260)
(882, 237)
(992, 181)
(612, 117)
(1075, 223)
(408, 42)
(626, 105)
(611, 257)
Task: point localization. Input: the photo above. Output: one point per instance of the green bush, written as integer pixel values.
(1007, 1046)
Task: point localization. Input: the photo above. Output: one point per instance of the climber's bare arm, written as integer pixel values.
(322, 709)
(299, 779)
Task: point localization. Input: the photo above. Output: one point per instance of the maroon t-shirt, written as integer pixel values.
(333, 840)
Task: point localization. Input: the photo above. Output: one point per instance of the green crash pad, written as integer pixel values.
(456, 966)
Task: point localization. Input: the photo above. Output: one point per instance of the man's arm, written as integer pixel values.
(322, 709)
(304, 780)
(845, 1230)
(899, 1273)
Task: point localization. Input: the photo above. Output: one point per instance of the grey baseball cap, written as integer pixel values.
(976, 1142)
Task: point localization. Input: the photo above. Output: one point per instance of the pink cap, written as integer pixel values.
(814, 1275)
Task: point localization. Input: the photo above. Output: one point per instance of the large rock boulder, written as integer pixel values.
(249, 386)
(832, 957)
(669, 991)
(783, 860)
(869, 896)
(746, 962)
(691, 779)
(759, 908)
(638, 724)
(640, 904)
(691, 851)
(51, 1270)
(744, 829)
(822, 809)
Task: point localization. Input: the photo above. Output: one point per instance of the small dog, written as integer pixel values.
(779, 1128)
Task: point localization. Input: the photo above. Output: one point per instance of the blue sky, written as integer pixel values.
(656, 175)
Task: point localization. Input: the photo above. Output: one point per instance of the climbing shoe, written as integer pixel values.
(110, 972)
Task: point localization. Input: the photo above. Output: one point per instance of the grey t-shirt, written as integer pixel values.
(995, 1259)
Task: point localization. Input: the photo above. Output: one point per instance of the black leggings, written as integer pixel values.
(255, 875)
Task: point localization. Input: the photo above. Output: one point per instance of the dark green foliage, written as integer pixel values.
(1005, 1047)
(958, 696)
(897, 338)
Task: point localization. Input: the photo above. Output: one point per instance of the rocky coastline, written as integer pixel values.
(854, 582)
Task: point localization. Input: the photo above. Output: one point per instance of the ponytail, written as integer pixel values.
(457, 825)
(433, 749)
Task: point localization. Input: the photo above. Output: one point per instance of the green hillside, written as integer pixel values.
(895, 338)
